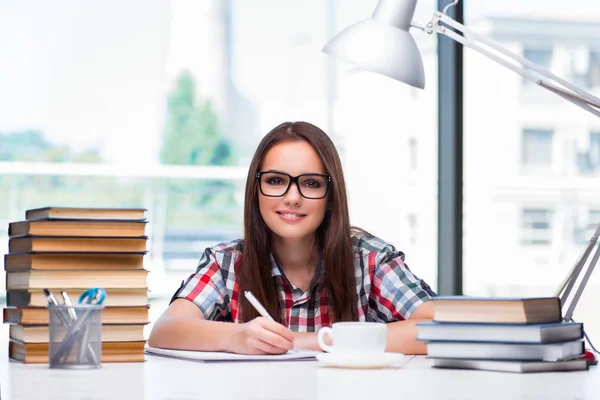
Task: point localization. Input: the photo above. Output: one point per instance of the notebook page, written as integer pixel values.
(209, 356)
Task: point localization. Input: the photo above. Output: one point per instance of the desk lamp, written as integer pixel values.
(382, 44)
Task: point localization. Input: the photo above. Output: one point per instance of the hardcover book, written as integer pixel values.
(497, 310)
(110, 315)
(85, 213)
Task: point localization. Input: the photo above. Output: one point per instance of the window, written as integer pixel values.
(536, 226)
(585, 227)
(412, 154)
(594, 69)
(594, 153)
(588, 159)
(500, 177)
(594, 220)
(412, 228)
(537, 147)
(196, 84)
(543, 58)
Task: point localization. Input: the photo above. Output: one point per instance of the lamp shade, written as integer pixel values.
(382, 44)
(380, 48)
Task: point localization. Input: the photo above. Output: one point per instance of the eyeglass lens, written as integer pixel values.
(310, 186)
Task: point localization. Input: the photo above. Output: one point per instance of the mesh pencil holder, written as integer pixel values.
(75, 336)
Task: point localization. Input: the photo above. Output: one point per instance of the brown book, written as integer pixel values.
(37, 353)
(497, 310)
(85, 212)
(110, 333)
(77, 227)
(114, 297)
(70, 260)
(110, 315)
(73, 279)
(26, 244)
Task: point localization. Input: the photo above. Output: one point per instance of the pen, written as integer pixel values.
(50, 297)
(261, 310)
(53, 301)
(259, 307)
(68, 303)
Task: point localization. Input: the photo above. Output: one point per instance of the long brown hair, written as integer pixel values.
(333, 235)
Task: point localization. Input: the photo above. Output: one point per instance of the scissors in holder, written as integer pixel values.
(92, 296)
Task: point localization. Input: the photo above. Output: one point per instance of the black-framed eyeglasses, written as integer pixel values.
(277, 184)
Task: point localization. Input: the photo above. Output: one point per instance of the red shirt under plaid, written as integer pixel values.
(387, 290)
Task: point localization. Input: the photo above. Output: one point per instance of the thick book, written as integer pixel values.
(507, 351)
(517, 333)
(114, 297)
(71, 260)
(86, 212)
(77, 227)
(537, 310)
(512, 366)
(110, 315)
(110, 333)
(26, 244)
(73, 279)
(37, 353)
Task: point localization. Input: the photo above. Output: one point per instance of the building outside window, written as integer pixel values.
(412, 154)
(586, 227)
(588, 158)
(594, 152)
(537, 148)
(541, 57)
(536, 226)
(594, 69)
(412, 228)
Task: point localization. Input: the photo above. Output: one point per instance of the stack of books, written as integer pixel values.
(71, 250)
(503, 334)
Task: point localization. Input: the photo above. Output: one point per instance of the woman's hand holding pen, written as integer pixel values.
(262, 336)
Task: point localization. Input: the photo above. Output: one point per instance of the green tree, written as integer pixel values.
(30, 145)
(193, 134)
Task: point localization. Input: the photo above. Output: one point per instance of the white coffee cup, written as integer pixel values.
(356, 337)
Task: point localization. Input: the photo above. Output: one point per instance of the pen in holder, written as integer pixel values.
(75, 336)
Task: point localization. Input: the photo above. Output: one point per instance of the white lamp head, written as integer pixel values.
(382, 44)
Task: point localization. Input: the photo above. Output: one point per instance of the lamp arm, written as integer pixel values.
(567, 284)
(586, 277)
(574, 94)
(573, 275)
(569, 97)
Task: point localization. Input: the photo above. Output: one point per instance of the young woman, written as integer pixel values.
(300, 258)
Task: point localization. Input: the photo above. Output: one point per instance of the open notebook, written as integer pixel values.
(208, 356)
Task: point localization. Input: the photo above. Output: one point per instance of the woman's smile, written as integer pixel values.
(291, 216)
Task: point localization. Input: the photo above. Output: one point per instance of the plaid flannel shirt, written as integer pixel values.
(387, 290)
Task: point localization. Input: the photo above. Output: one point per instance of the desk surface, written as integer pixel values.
(167, 378)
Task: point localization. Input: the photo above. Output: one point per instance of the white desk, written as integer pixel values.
(165, 378)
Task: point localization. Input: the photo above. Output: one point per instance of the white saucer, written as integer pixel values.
(360, 360)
